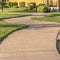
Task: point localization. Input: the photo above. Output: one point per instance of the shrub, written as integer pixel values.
(22, 4)
(13, 4)
(6, 5)
(42, 8)
(34, 4)
(31, 6)
(40, 5)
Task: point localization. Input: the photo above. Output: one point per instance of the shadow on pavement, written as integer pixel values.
(39, 26)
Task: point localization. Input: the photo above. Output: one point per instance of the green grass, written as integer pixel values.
(20, 9)
(53, 17)
(13, 13)
(5, 15)
(8, 28)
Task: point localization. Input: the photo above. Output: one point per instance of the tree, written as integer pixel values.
(58, 5)
(47, 2)
(51, 2)
(2, 2)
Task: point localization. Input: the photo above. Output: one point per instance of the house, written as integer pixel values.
(50, 2)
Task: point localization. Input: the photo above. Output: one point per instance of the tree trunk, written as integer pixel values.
(47, 2)
(2, 2)
(51, 2)
(58, 5)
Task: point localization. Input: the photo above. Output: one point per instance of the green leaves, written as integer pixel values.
(2, 3)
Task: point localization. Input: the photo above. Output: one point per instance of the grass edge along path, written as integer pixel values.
(8, 15)
(8, 29)
(53, 17)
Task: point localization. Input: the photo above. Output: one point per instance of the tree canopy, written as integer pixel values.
(2, 2)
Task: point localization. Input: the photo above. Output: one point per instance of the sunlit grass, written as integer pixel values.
(8, 28)
(5, 15)
(53, 17)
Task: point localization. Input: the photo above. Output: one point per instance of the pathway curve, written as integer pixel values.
(38, 42)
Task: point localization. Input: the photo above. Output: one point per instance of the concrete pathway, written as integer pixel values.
(38, 42)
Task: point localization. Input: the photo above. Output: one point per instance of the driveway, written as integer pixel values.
(37, 42)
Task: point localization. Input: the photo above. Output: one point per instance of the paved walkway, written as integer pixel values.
(38, 42)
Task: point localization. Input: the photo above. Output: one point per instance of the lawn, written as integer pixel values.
(5, 15)
(52, 17)
(12, 13)
(8, 28)
(20, 9)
